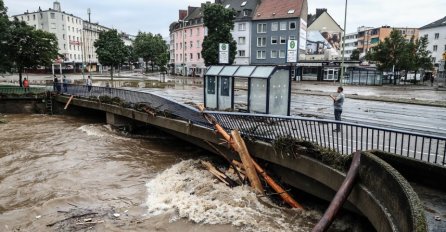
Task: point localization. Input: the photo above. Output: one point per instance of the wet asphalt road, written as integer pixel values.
(416, 118)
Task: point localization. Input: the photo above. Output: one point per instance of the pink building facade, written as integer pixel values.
(186, 37)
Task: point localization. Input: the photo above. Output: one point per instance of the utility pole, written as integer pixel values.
(343, 45)
(91, 32)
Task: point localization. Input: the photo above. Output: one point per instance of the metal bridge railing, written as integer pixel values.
(352, 136)
(16, 90)
(154, 101)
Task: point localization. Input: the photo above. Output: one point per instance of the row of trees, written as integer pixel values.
(112, 51)
(22, 47)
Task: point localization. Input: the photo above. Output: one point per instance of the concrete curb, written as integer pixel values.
(380, 99)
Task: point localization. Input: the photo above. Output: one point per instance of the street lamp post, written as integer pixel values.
(343, 45)
(91, 33)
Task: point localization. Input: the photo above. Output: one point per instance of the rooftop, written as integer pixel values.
(278, 9)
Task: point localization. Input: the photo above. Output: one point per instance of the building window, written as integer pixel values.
(63, 36)
(292, 37)
(241, 40)
(292, 26)
(185, 46)
(242, 26)
(190, 32)
(64, 46)
(282, 54)
(53, 15)
(198, 31)
(273, 39)
(191, 56)
(434, 59)
(274, 26)
(198, 56)
(191, 44)
(261, 55)
(435, 48)
(198, 43)
(283, 26)
(261, 28)
(273, 54)
(241, 53)
(426, 36)
(437, 35)
(282, 40)
(261, 41)
(34, 17)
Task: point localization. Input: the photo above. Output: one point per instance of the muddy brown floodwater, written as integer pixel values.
(60, 173)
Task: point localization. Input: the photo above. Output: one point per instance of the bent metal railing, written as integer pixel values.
(352, 137)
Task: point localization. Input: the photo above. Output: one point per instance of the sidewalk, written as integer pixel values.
(408, 94)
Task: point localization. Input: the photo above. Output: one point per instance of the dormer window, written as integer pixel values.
(291, 11)
(243, 3)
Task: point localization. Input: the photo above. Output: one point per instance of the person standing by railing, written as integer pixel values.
(26, 85)
(65, 83)
(89, 84)
(338, 101)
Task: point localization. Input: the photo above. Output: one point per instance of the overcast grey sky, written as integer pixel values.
(155, 16)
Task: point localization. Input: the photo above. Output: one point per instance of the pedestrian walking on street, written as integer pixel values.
(338, 101)
(89, 84)
(26, 85)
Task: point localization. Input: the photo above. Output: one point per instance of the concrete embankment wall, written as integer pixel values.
(22, 106)
(415, 170)
(382, 194)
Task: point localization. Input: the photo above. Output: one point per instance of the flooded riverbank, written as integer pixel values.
(63, 173)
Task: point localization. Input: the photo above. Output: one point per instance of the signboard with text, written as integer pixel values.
(292, 53)
(223, 53)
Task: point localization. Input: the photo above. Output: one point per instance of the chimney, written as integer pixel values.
(56, 6)
(182, 14)
(319, 11)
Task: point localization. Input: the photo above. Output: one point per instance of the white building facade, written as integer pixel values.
(75, 36)
(67, 28)
(436, 35)
(351, 42)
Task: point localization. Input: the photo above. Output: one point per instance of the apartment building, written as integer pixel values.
(75, 36)
(242, 27)
(67, 28)
(186, 38)
(435, 33)
(272, 26)
(369, 38)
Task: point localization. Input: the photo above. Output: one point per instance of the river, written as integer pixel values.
(61, 173)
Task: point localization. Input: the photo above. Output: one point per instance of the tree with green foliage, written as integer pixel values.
(131, 56)
(30, 48)
(219, 21)
(355, 54)
(111, 50)
(150, 47)
(390, 52)
(162, 60)
(4, 38)
(397, 53)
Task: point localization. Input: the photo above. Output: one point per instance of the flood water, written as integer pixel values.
(60, 173)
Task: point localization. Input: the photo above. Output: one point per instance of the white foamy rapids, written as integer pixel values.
(187, 191)
(100, 131)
